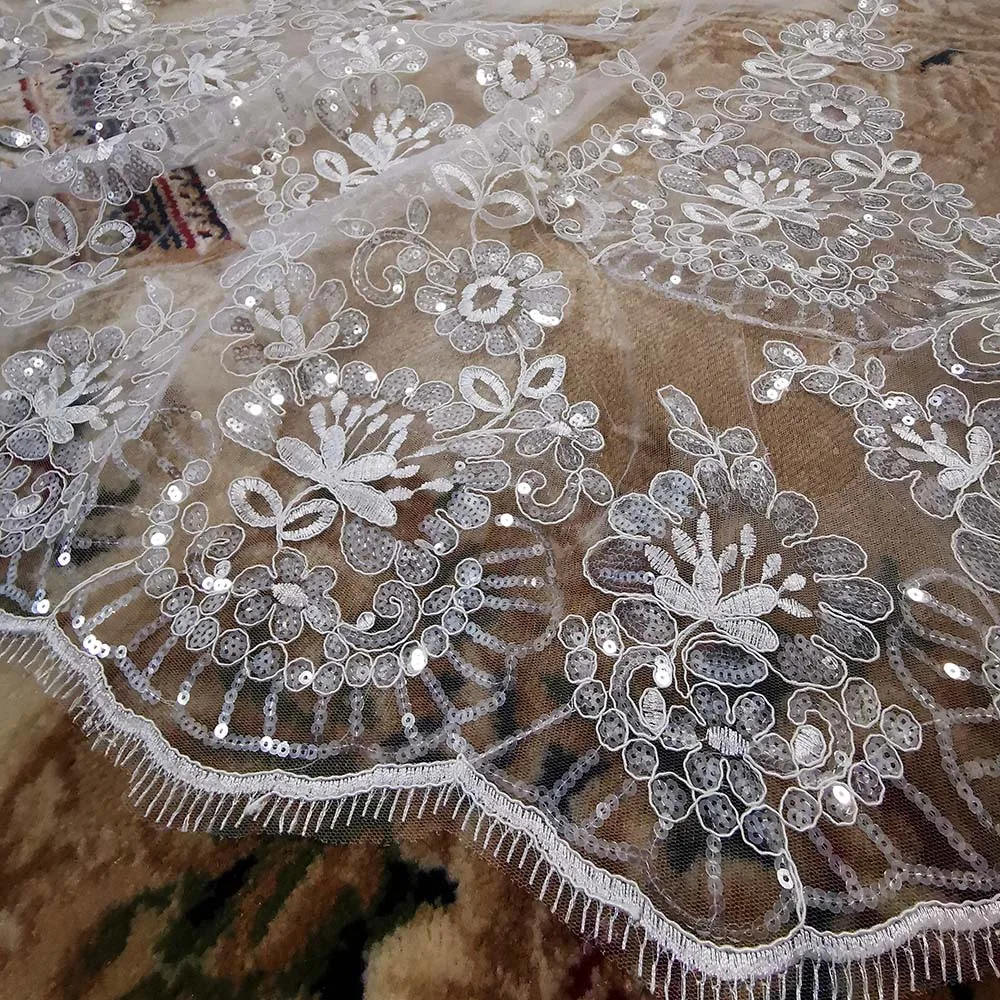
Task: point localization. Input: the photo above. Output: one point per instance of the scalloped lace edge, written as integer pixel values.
(930, 941)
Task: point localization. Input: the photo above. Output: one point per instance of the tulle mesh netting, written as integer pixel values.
(572, 428)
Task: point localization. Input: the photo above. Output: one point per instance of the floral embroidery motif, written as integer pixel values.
(285, 329)
(67, 408)
(525, 64)
(116, 168)
(692, 612)
(819, 236)
(158, 80)
(283, 318)
(709, 602)
(570, 428)
(487, 297)
(285, 595)
(765, 189)
(838, 114)
(422, 617)
(396, 120)
(29, 50)
(945, 447)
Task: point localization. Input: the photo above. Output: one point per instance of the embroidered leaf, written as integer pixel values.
(660, 560)
(332, 167)
(653, 709)
(459, 186)
(418, 215)
(56, 224)
(63, 21)
(794, 607)
(857, 163)
(248, 495)
(596, 486)
(727, 559)
(705, 533)
(111, 237)
(690, 442)
(517, 210)
(484, 389)
(875, 373)
(357, 229)
(682, 409)
(684, 545)
(772, 565)
(542, 377)
(308, 519)
(15, 138)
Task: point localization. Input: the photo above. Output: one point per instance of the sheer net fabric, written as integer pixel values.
(585, 439)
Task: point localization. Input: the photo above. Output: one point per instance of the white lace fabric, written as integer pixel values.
(585, 436)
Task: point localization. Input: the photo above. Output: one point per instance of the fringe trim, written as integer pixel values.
(932, 942)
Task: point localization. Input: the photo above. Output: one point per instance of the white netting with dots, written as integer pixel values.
(576, 429)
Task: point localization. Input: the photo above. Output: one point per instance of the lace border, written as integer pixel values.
(933, 939)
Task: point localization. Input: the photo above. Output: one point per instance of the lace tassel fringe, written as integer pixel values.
(943, 954)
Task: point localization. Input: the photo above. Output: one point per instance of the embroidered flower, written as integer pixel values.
(673, 134)
(115, 20)
(921, 193)
(247, 33)
(114, 167)
(827, 39)
(490, 297)
(357, 469)
(553, 186)
(776, 188)
(203, 72)
(73, 400)
(570, 429)
(379, 120)
(346, 477)
(696, 755)
(721, 782)
(285, 319)
(527, 63)
(285, 595)
(348, 51)
(23, 47)
(837, 114)
(723, 608)
(945, 448)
